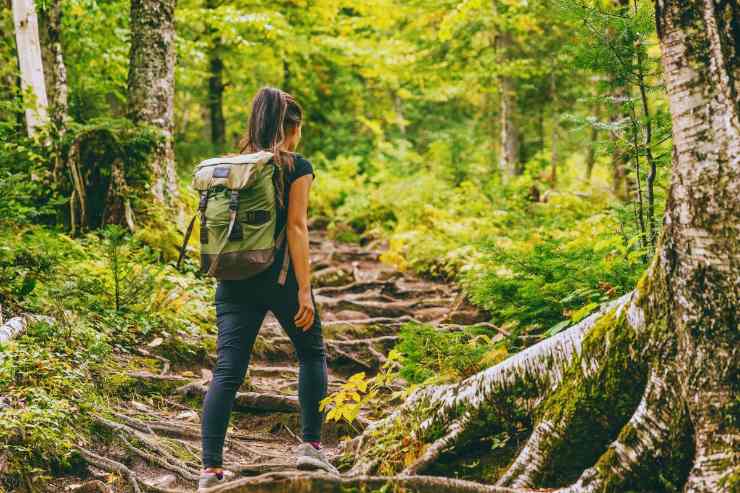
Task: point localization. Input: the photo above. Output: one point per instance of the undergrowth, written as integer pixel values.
(56, 375)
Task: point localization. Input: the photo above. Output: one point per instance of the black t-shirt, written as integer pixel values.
(301, 167)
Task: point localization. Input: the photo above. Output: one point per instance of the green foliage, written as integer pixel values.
(24, 176)
(53, 377)
(429, 355)
(47, 384)
(130, 269)
(536, 283)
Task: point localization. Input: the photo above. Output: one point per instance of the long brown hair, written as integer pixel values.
(275, 115)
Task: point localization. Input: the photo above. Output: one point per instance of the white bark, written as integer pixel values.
(29, 58)
(700, 257)
(541, 366)
(509, 158)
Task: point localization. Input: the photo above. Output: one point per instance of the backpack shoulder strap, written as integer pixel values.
(203, 232)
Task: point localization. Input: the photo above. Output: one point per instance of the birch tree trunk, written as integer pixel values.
(55, 73)
(31, 67)
(151, 86)
(699, 256)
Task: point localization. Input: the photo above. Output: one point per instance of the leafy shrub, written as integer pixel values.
(553, 276)
(431, 355)
(25, 190)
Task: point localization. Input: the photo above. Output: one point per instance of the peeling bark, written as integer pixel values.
(699, 255)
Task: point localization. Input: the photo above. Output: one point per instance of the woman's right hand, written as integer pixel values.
(304, 317)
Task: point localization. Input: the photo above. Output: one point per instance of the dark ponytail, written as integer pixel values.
(275, 114)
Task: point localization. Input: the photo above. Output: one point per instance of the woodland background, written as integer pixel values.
(520, 150)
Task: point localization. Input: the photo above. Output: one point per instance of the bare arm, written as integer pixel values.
(297, 231)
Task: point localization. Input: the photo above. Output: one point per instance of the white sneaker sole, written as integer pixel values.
(311, 464)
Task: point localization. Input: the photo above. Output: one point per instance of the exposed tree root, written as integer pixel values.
(642, 447)
(261, 468)
(94, 486)
(435, 450)
(371, 308)
(531, 460)
(385, 321)
(159, 455)
(291, 482)
(535, 371)
(111, 466)
(358, 354)
(178, 468)
(253, 401)
(153, 383)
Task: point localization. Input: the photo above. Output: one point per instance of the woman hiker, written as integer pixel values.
(274, 126)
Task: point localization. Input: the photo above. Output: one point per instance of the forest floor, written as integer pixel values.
(155, 434)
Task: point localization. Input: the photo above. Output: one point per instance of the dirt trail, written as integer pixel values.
(362, 303)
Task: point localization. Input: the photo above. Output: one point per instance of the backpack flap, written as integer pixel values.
(230, 172)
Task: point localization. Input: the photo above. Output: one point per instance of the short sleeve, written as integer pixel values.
(301, 167)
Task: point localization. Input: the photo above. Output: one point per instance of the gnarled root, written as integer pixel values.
(290, 482)
(529, 375)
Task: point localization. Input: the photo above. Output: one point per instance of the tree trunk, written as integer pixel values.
(554, 157)
(55, 73)
(216, 87)
(509, 158)
(699, 255)
(29, 60)
(151, 86)
(593, 142)
(641, 395)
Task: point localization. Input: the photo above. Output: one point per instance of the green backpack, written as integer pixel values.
(238, 216)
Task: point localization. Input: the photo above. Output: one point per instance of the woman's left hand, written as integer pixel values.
(304, 317)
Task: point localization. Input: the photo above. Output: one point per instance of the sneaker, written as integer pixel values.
(209, 480)
(310, 458)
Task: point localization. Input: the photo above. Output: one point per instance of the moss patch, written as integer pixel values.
(594, 408)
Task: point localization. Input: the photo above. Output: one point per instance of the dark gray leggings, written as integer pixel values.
(241, 307)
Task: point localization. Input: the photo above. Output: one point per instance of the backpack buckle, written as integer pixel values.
(203, 224)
